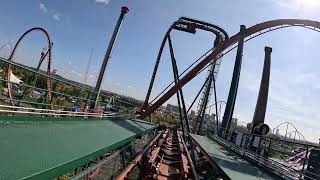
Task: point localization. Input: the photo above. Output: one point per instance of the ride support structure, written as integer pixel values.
(208, 86)
(228, 113)
(224, 48)
(186, 25)
(124, 10)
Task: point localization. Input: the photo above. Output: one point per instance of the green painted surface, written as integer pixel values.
(234, 166)
(45, 147)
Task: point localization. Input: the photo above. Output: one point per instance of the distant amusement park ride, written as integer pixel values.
(295, 132)
(48, 53)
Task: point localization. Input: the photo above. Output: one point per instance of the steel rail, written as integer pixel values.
(218, 31)
(184, 21)
(35, 103)
(50, 110)
(57, 79)
(45, 75)
(219, 49)
(226, 52)
(194, 172)
(56, 114)
(216, 168)
(163, 91)
(58, 93)
(138, 158)
(271, 165)
(41, 89)
(192, 64)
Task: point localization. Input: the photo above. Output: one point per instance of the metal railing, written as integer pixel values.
(111, 165)
(84, 90)
(270, 153)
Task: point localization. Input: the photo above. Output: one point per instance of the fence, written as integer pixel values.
(287, 158)
(111, 164)
(82, 94)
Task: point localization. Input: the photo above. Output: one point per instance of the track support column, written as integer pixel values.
(226, 122)
(182, 109)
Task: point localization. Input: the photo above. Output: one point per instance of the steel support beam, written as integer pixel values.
(207, 92)
(186, 25)
(199, 92)
(155, 69)
(180, 92)
(228, 113)
(205, 100)
(261, 106)
(216, 106)
(217, 41)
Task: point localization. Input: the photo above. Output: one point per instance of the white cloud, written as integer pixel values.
(56, 16)
(105, 2)
(43, 8)
(298, 6)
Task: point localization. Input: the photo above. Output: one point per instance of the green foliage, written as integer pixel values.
(166, 119)
(277, 155)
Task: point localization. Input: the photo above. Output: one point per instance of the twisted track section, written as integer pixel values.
(49, 84)
(250, 33)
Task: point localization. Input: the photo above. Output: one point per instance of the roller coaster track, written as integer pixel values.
(165, 157)
(225, 47)
(187, 25)
(9, 71)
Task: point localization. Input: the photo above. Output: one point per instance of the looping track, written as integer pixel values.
(49, 84)
(250, 33)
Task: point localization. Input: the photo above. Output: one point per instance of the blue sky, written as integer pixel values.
(77, 26)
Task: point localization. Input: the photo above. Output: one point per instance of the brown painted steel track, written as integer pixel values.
(250, 33)
(165, 157)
